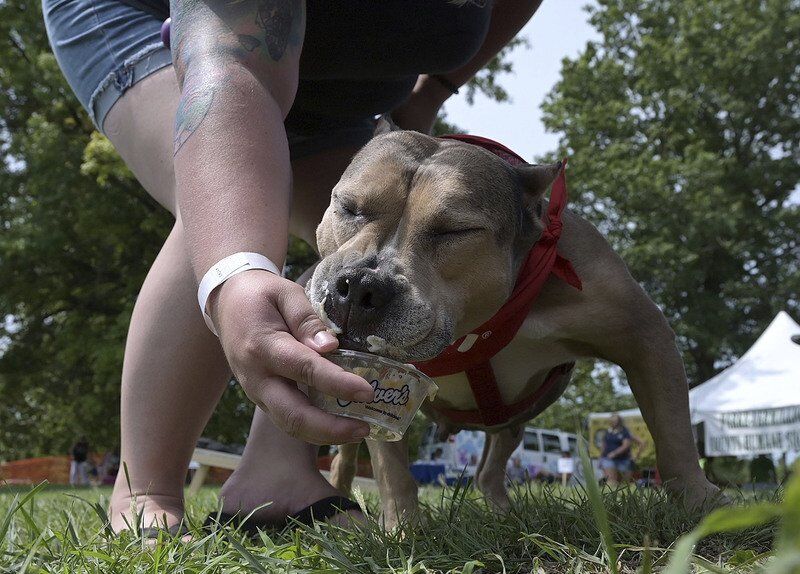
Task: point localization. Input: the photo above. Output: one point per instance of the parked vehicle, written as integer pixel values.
(538, 452)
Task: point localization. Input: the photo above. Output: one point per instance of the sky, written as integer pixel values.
(559, 29)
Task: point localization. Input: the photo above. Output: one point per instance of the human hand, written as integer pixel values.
(420, 109)
(273, 340)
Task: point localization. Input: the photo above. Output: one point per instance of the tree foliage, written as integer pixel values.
(682, 128)
(77, 237)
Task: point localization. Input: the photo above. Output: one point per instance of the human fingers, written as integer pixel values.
(289, 358)
(291, 411)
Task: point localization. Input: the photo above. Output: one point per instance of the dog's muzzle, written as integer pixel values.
(359, 298)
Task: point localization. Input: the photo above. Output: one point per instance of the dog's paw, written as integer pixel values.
(699, 495)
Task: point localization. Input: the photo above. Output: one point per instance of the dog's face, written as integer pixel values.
(422, 241)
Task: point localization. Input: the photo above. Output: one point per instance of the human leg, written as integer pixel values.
(609, 471)
(625, 470)
(173, 372)
(277, 475)
(173, 375)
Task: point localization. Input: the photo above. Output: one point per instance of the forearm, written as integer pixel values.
(508, 18)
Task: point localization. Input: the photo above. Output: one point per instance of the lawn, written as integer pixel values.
(549, 529)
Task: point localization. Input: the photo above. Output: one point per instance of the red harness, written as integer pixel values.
(471, 353)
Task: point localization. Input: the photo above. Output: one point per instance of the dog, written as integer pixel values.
(424, 240)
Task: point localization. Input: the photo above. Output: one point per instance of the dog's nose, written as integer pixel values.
(362, 290)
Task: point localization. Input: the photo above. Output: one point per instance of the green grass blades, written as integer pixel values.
(789, 537)
(785, 559)
(549, 529)
(598, 509)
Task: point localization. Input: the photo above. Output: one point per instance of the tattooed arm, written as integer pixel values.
(237, 65)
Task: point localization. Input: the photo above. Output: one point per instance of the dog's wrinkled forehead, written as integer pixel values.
(407, 170)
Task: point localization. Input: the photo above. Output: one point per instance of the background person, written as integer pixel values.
(79, 465)
(616, 460)
(109, 467)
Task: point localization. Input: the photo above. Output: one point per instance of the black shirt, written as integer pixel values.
(158, 8)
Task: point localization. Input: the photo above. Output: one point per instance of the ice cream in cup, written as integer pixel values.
(399, 389)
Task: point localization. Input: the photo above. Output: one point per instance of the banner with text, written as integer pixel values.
(752, 432)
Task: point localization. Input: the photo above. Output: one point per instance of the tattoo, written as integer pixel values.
(192, 109)
(276, 18)
(281, 21)
(250, 43)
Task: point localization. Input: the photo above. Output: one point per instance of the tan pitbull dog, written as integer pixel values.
(423, 241)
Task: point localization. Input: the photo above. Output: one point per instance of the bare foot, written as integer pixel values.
(149, 510)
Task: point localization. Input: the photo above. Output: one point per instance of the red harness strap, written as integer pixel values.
(472, 352)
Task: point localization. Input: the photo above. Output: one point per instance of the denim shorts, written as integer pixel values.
(103, 48)
(619, 464)
(359, 59)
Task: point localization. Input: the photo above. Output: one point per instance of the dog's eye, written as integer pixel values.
(349, 210)
(456, 233)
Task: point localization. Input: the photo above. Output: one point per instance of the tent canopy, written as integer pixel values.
(766, 377)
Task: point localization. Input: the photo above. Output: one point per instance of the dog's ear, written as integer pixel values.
(537, 178)
(384, 125)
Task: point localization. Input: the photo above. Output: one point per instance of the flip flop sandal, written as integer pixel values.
(320, 511)
(176, 530)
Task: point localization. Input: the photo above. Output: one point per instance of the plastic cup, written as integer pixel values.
(399, 392)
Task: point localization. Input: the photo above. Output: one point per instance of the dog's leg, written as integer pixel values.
(491, 475)
(484, 454)
(657, 378)
(396, 486)
(343, 467)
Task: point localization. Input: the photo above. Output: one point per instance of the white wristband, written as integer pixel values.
(224, 270)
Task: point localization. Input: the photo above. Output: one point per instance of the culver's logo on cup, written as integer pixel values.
(389, 396)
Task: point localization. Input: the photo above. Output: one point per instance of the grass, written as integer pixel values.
(549, 529)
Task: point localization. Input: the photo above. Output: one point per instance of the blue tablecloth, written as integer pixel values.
(427, 472)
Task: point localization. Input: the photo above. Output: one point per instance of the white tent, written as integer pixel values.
(753, 406)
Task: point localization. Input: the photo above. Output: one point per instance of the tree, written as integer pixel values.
(78, 235)
(682, 128)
